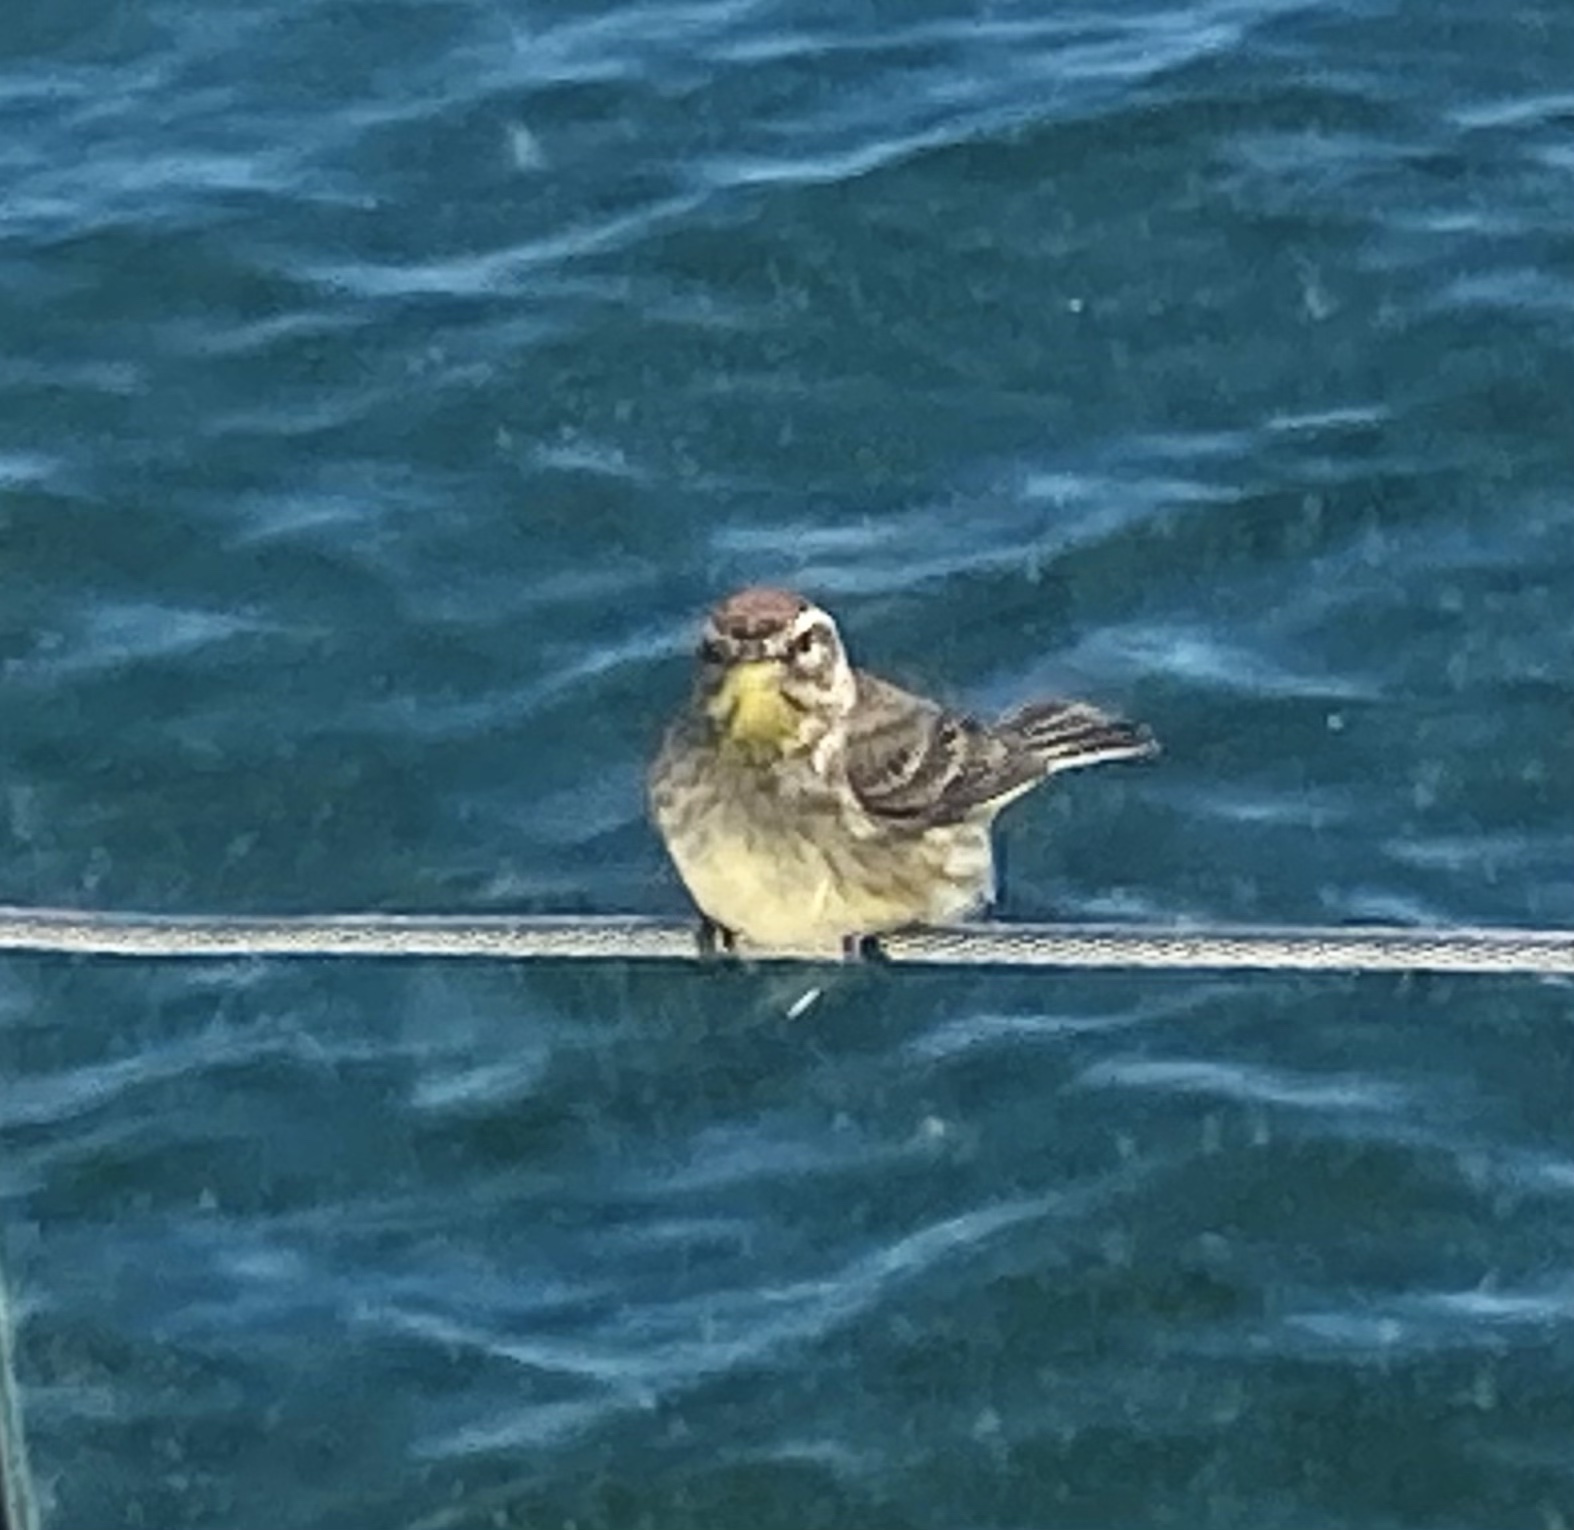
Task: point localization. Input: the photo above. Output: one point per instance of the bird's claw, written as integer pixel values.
(714, 939)
(862, 948)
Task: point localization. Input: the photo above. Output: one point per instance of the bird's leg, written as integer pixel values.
(862, 948)
(714, 939)
(990, 904)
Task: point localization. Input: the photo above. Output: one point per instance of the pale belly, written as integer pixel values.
(780, 890)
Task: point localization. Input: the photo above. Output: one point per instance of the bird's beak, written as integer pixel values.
(749, 706)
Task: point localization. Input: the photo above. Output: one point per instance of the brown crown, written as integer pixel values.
(757, 612)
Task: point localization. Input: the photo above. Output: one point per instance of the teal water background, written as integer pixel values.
(383, 390)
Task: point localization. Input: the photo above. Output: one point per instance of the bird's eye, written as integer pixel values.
(806, 642)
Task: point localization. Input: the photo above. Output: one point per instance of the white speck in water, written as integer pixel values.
(26, 820)
(988, 1425)
(1228, 1404)
(99, 865)
(804, 1002)
(524, 148)
(1315, 297)
(240, 847)
(1484, 1389)
(1335, 722)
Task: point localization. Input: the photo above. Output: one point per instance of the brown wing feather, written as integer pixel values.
(1063, 735)
(912, 761)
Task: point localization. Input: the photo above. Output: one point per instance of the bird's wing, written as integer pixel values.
(911, 760)
(1065, 735)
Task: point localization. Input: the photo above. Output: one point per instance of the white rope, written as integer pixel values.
(1355, 948)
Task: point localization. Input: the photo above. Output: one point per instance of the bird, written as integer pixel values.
(810, 807)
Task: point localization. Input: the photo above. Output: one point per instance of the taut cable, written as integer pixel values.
(1334, 948)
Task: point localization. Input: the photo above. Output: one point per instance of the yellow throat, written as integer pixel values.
(750, 709)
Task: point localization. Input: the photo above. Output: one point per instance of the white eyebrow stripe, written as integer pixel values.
(810, 616)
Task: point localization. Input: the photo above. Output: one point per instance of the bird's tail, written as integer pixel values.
(1068, 734)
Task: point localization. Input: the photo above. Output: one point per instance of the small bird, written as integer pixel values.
(809, 806)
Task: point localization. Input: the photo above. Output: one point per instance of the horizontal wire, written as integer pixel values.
(1340, 948)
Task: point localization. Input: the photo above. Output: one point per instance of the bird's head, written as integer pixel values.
(773, 677)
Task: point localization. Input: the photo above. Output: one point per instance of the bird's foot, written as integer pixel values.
(712, 939)
(862, 948)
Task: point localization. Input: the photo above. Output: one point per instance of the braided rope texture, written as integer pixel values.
(1353, 948)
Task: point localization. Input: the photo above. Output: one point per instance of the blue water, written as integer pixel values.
(384, 389)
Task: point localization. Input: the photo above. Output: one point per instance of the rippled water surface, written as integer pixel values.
(383, 389)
